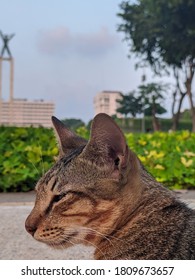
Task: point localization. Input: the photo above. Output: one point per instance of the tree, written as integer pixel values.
(162, 33)
(146, 99)
(73, 123)
(177, 92)
(129, 104)
(186, 115)
(152, 96)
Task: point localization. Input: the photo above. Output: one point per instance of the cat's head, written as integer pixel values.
(86, 194)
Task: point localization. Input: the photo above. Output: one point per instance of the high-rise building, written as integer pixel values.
(22, 112)
(106, 102)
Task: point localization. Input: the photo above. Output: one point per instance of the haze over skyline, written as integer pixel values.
(67, 52)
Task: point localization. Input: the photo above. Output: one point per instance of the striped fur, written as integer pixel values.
(98, 193)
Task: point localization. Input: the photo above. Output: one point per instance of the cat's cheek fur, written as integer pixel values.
(79, 229)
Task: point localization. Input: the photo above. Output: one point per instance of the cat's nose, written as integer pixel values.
(30, 226)
(30, 229)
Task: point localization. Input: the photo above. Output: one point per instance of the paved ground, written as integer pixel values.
(16, 243)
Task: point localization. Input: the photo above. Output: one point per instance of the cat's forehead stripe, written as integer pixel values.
(54, 184)
(52, 175)
(53, 178)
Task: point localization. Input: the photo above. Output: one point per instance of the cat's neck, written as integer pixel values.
(139, 201)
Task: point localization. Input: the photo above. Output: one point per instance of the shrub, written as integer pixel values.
(26, 153)
(169, 157)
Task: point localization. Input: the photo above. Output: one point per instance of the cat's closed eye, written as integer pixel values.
(55, 199)
(58, 197)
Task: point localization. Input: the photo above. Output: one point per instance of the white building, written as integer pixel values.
(21, 113)
(106, 102)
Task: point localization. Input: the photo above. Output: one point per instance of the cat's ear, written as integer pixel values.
(107, 142)
(67, 139)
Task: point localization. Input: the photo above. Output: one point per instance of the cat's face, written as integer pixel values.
(79, 199)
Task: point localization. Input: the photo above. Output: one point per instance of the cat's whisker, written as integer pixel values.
(83, 230)
(88, 230)
(108, 237)
(34, 166)
(92, 244)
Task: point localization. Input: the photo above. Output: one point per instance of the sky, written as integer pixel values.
(67, 51)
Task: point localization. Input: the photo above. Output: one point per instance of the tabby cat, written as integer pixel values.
(98, 193)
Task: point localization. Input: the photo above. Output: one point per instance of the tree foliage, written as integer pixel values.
(130, 104)
(146, 99)
(162, 33)
(73, 123)
(152, 95)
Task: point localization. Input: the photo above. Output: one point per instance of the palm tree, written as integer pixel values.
(129, 104)
(151, 95)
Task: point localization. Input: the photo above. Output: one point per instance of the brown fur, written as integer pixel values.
(98, 193)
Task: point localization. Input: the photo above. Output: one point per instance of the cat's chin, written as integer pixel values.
(60, 245)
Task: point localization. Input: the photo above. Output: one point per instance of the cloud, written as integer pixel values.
(61, 42)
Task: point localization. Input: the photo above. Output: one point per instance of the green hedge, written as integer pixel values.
(135, 124)
(26, 153)
(169, 157)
